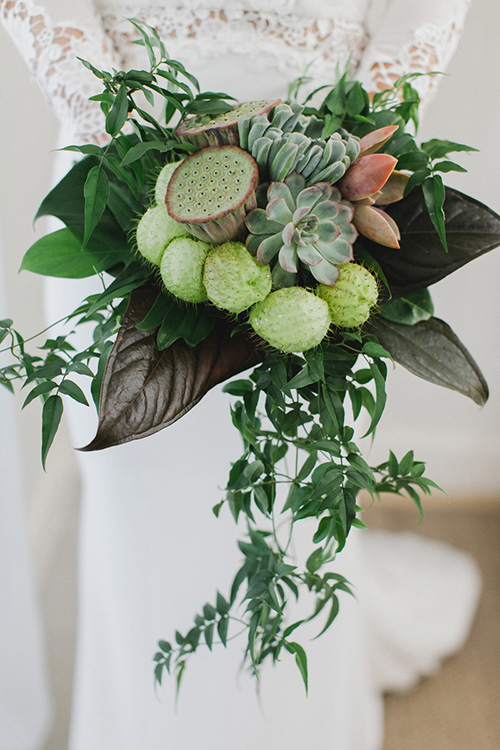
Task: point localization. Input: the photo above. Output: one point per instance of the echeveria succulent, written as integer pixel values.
(309, 225)
(284, 141)
(211, 192)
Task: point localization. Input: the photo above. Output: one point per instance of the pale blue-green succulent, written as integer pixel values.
(284, 140)
(302, 225)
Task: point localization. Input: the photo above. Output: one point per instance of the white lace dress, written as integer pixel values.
(151, 552)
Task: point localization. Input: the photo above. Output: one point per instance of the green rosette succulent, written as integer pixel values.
(308, 225)
(284, 140)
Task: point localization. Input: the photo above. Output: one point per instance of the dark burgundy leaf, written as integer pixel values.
(472, 229)
(432, 351)
(145, 390)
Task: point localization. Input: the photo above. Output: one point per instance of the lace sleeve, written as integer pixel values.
(50, 50)
(410, 37)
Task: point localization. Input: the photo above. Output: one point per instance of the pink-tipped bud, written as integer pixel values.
(366, 176)
(377, 226)
(393, 190)
(373, 141)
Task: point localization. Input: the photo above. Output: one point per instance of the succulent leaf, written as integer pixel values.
(304, 227)
(371, 142)
(378, 226)
(366, 176)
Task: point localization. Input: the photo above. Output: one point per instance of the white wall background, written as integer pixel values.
(459, 441)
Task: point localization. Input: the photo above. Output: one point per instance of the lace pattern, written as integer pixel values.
(287, 42)
(51, 53)
(430, 49)
(277, 39)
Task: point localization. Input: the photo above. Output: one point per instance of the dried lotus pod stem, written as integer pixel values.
(221, 130)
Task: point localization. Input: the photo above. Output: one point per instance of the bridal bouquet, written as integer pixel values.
(293, 241)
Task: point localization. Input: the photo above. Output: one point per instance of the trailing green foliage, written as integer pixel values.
(299, 462)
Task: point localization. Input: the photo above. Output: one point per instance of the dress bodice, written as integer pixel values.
(248, 48)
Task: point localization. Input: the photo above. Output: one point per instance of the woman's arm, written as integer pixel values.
(50, 36)
(412, 36)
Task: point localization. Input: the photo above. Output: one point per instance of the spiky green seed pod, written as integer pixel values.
(163, 180)
(181, 269)
(292, 319)
(351, 299)
(155, 230)
(233, 279)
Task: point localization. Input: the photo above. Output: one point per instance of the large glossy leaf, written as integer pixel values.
(432, 351)
(472, 229)
(66, 201)
(145, 390)
(60, 254)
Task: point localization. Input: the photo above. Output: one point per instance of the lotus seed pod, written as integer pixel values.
(155, 230)
(233, 279)
(223, 129)
(181, 269)
(291, 319)
(212, 191)
(352, 297)
(163, 180)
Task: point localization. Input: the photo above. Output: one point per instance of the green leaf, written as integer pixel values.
(60, 254)
(88, 148)
(96, 193)
(51, 417)
(238, 387)
(45, 387)
(159, 672)
(409, 310)
(433, 352)
(300, 660)
(222, 628)
(209, 635)
(138, 151)
(66, 200)
(448, 166)
(117, 115)
(221, 604)
(434, 195)
(69, 388)
(437, 148)
(307, 466)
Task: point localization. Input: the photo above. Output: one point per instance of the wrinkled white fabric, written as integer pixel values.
(25, 706)
(151, 551)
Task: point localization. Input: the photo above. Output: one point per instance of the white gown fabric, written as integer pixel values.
(151, 551)
(23, 669)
